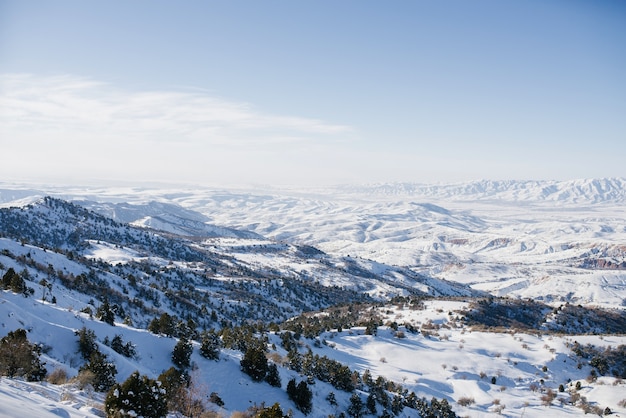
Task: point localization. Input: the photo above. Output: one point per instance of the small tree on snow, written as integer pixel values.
(182, 354)
(138, 396)
(254, 363)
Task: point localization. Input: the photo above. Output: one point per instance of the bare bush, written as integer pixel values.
(548, 397)
(465, 401)
(58, 376)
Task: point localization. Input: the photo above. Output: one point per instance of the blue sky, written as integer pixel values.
(323, 92)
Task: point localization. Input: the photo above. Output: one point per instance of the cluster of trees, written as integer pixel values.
(127, 349)
(15, 283)
(603, 359)
(322, 368)
(98, 369)
(301, 395)
(504, 313)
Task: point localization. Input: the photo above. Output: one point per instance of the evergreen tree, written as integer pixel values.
(295, 360)
(18, 357)
(355, 410)
(166, 324)
(210, 347)
(273, 377)
(397, 405)
(301, 395)
(105, 313)
(7, 278)
(125, 349)
(163, 325)
(254, 363)
(370, 403)
(174, 382)
(14, 282)
(273, 411)
(86, 342)
(182, 354)
(104, 371)
(138, 396)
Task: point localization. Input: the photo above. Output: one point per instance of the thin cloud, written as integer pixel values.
(75, 106)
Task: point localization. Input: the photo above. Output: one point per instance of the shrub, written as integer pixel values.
(548, 397)
(215, 398)
(273, 411)
(84, 378)
(465, 401)
(58, 376)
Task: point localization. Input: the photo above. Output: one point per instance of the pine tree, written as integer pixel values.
(273, 377)
(125, 349)
(137, 396)
(105, 313)
(397, 405)
(355, 409)
(254, 363)
(182, 354)
(370, 403)
(14, 282)
(174, 382)
(86, 342)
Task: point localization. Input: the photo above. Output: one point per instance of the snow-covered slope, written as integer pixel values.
(144, 273)
(426, 350)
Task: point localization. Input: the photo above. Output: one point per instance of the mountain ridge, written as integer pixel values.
(601, 190)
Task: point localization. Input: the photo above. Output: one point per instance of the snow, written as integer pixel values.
(27, 399)
(523, 239)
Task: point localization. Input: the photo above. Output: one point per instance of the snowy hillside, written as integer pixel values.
(330, 288)
(422, 353)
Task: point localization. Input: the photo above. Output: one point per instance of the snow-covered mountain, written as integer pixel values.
(557, 241)
(218, 259)
(605, 190)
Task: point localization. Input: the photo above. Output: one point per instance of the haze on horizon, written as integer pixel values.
(311, 93)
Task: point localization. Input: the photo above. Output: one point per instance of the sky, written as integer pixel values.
(311, 92)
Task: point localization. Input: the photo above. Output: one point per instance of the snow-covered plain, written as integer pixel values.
(527, 240)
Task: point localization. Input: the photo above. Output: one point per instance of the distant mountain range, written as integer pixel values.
(570, 191)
